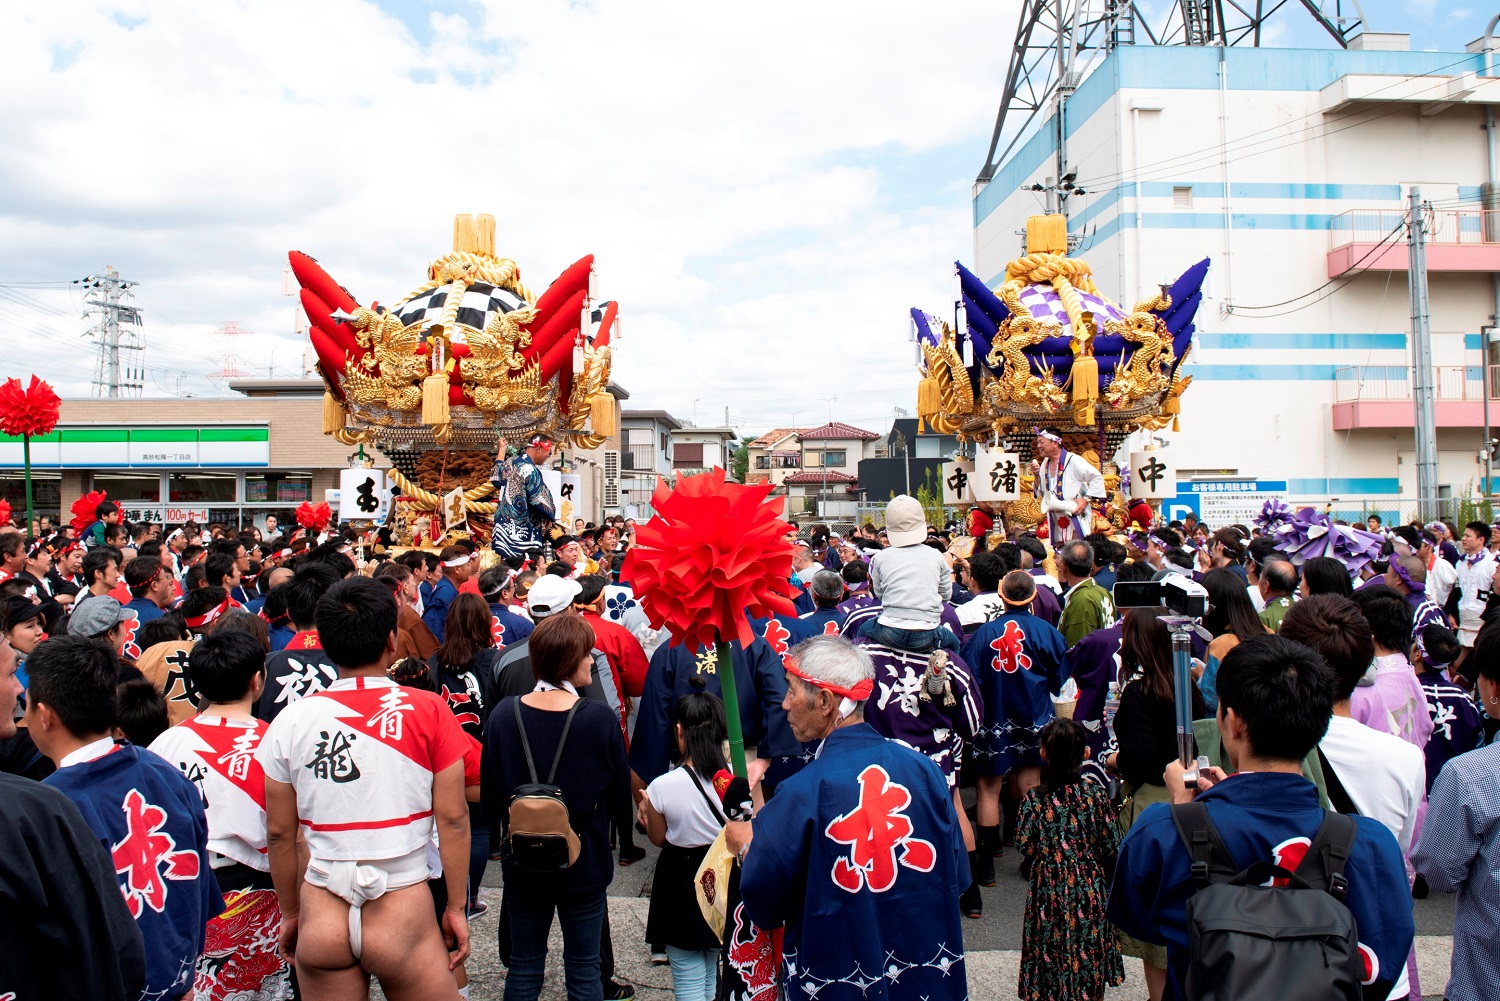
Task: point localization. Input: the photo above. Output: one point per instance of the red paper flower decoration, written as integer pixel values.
(4, 513)
(30, 411)
(83, 510)
(713, 553)
(314, 517)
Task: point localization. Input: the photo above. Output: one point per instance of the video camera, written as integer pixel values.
(1181, 594)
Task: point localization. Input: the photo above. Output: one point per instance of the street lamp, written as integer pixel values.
(823, 495)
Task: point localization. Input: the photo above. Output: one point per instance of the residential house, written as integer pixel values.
(696, 449)
(828, 481)
(597, 469)
(645, 457)
(774, 456)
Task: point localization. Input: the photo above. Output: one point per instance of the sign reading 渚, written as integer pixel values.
(1152, 475)
(997, 476)
(363, 495)
(958, 482)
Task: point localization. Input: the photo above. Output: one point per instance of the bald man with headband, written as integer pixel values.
(865, 835)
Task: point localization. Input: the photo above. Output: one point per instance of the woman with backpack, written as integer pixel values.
(552, 747)
(1067, 833)
(681, 814)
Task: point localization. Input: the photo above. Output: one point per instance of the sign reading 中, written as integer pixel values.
(1152, 475)
(958, 482)
(997, 476)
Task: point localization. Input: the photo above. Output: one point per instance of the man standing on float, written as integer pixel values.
(1065, 483)
(524, 503)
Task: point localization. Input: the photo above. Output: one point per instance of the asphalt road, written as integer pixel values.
(992, 943)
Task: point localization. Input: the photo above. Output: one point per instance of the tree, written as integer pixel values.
(739, 462)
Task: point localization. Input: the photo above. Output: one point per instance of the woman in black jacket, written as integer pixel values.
(595, 781)
(1146, 731)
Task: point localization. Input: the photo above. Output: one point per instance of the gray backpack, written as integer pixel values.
(1266, 932)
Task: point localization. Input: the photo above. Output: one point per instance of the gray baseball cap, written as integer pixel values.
(95, 616)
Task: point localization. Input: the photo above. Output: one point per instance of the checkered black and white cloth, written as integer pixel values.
(481, 301)
(1043, 304)
(596, 317)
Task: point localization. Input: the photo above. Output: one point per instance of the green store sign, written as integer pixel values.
(115, 447)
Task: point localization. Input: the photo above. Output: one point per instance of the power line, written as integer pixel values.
(1342, 280)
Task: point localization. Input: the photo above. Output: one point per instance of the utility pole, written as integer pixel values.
(1425, 423)
(113, 376)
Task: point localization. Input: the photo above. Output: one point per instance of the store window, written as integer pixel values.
(278, 487)
(198, 487)
(130, 488)
(46, 493)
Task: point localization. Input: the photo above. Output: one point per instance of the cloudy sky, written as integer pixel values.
(767, 187)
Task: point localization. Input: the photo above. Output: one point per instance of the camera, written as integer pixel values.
(1181, 594)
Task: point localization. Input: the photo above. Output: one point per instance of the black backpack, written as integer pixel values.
(1295, 941)
(540, 832)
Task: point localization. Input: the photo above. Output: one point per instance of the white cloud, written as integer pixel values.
(737, 171)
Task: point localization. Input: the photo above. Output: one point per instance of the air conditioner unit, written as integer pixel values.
(611, 479)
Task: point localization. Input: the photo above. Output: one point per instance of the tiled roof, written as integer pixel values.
(838, 430)
(772, 437)
(808, 476)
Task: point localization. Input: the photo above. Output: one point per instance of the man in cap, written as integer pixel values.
(1065, 483)
(864, 838)
(524, 503)
(105, 620)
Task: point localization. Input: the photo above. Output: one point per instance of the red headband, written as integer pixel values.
(198, 621)
(858, 693)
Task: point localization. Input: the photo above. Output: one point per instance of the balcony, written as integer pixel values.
(638, 458)
(1461, 240)
(1380, 396)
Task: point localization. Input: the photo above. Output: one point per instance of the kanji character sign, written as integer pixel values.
(997, 476)
(879, 836)
(958, 477)
(1153, 475)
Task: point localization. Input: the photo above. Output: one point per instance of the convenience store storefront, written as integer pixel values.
(233, 460)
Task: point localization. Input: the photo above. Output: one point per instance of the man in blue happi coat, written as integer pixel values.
(858, 856)
(146, 813)
(1019, 662)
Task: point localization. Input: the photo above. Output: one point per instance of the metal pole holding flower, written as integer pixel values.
(25, 412)
(713, 554)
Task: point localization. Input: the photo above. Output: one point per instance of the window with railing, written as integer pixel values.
(762, 462)
(637, 457)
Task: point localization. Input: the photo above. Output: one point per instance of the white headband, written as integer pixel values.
(457, 561)
(1049, 436)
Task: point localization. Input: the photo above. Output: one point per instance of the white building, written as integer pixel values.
(698, 449)
(1286, 167)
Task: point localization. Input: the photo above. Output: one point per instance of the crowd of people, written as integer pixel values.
(256, 765)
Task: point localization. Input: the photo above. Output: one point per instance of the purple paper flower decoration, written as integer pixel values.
(1273, 514)
(1310, 534)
